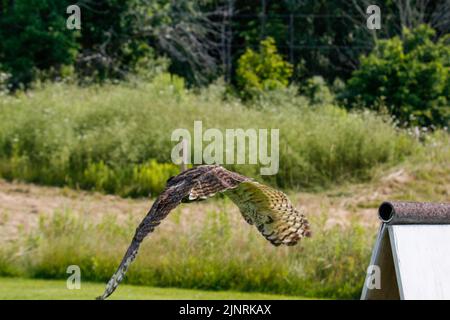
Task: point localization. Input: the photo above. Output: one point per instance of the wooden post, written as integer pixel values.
(291, 38)
(184, 155)
(263, 20)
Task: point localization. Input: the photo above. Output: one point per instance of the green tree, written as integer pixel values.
(264, 70)
(34, 37)
(409, 76)
(184, 31)
(111, 44)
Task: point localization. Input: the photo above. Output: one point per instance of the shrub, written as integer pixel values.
(264, 70)
(409, 75)
(4, 81)
(317, 91)
(152, 176)
(102, 138)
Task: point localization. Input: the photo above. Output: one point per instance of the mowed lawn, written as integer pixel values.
(32, 289)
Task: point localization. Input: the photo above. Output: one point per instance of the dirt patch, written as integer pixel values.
(21, 204)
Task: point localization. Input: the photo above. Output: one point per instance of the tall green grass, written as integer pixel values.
(116, 138)
(215, 250)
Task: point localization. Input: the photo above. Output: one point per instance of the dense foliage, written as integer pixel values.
(262, 71)
(325, 37)
(34, 38)
(103, 138)
(255, 45)
(409, 76)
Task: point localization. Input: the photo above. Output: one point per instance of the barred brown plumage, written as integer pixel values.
(268, 209)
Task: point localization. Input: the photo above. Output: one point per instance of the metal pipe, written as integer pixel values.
(396, 212)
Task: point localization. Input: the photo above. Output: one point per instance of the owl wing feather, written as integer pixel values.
(214, 181)
(271, 212)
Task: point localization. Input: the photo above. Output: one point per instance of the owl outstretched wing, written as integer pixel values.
(191, 185)
(271, 212)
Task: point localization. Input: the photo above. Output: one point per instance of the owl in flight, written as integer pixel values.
(269, 210)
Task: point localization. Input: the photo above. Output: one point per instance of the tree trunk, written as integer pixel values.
(291, 38)
(263, 19)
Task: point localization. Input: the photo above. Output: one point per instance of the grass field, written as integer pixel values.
(31, 289)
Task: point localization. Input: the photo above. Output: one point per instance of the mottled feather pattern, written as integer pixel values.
(266, 208)
(216, 180)
(271, 212)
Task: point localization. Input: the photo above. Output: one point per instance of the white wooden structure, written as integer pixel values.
(413, 261)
